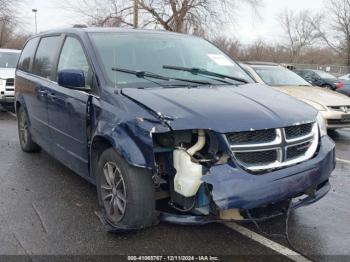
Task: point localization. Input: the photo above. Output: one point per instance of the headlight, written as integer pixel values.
(1, 82)
(321, 124)
(316, 105)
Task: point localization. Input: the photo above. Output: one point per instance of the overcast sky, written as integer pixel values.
(248, 27)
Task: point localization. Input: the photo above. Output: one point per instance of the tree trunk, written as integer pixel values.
(348, 54)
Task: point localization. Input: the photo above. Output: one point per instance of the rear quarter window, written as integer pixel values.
(46, 54)
(28, 55)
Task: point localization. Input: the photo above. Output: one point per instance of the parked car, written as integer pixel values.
(334, 107)
(346, 87)
(8, 62)
(320, 78)
(345, 77)
(167, 127)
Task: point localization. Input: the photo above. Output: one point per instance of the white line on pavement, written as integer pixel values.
(268, 243)
(12, 114)
(343, 161)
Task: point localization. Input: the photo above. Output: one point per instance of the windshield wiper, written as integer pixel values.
(145, 74)
(199, 71)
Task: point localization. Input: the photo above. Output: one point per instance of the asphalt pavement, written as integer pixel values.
(46, 209)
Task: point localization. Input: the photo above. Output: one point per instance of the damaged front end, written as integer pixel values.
(202, 176)
(208, 167)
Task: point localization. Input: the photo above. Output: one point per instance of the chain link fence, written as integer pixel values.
(336, 70)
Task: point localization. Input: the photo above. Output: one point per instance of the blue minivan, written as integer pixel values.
(167, 127)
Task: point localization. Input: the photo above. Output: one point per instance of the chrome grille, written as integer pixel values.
(298, 131)
(261, 136)
(284, 146)
(344, 109)
(298, 150)
(260, 157)
(10, 82)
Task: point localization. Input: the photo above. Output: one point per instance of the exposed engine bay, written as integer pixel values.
(182, 158)
(204, 173)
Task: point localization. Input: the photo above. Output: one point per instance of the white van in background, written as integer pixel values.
(8, 63)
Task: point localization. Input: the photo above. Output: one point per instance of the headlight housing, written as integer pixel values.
(315, 105)
(322, 125)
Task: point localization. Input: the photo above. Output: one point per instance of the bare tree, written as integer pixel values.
(8, 20)
(256, 51)
(232, 47)
(334, 29)
(190, 16)
(106, 13)
(263, 51)
(6, 6)
(268, 52)
(17, 41)
(299, 31)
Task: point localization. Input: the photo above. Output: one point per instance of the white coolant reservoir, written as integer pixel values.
(188, 174)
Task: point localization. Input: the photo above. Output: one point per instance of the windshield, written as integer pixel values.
(325, 75)
(150, 52)
(8, 60)
(280, 76)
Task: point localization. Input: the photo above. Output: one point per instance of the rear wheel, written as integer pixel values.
(25, 138)
(328, 87)
(125, 193)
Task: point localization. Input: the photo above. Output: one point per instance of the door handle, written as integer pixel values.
(52, 96)
(42, 92)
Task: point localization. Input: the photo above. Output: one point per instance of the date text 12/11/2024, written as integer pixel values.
(173, 258)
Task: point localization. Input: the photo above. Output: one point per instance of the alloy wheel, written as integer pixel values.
(113, 191)
(23, 128)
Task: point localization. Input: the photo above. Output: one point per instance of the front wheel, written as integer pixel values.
(125, 193)
(25, 138)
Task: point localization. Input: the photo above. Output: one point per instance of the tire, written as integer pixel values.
(131, 192)
(328, 87)
(25, 138)
(8, 107)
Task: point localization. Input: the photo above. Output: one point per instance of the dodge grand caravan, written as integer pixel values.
(167, 127)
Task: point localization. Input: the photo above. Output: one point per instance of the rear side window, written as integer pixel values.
(27, 55)
(44, 61)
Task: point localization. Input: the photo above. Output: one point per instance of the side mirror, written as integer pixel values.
(72, 78)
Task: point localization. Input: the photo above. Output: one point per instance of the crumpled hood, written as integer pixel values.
(6, 73)
(225, 108)
(317, 94)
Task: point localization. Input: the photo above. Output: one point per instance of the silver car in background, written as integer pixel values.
(333, 106)
(8, 63)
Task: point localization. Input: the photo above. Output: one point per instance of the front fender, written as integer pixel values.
(131, 139)
(128, 128)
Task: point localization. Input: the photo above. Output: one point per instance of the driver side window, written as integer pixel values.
(73, 57)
